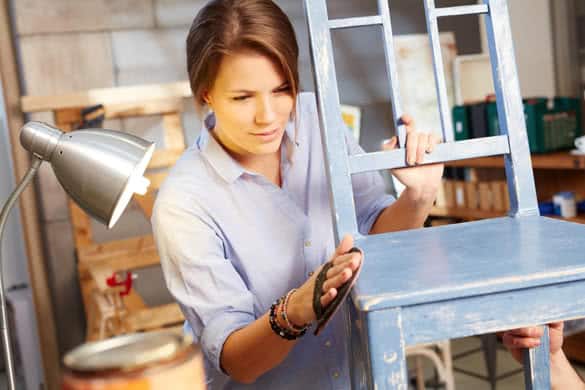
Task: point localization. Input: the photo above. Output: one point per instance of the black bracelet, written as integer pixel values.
(280, 331)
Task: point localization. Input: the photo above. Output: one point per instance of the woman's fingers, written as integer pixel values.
(342, 259)
(411, 147)
(423, 145)
(407, 121)
(513, 341)
(337, 280)
(345, 263)
(434, 139)
(328, 297)
(351, 261)
(390, 144)
(340, 274)
(344, 246)
(533, 331)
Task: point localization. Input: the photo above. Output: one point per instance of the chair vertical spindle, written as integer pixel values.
(391, 69)
(337, 166)
(439, 69)
(510, 110)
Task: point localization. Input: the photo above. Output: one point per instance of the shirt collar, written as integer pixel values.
(228, 168)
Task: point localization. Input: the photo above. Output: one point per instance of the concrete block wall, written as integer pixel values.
(69, 46)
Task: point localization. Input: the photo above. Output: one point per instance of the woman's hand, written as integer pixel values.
(518, 339)
(423, 180)
(300, 307)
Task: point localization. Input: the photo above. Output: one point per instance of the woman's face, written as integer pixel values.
(252, 102)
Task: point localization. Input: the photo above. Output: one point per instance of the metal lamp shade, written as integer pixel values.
(101, 170)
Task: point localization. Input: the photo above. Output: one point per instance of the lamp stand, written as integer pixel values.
(4, 326)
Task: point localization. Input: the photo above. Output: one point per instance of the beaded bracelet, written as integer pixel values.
(284, 316)
(280, 331)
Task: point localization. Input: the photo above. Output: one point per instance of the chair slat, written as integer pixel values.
(355, 22)
(472, 148)
(461, 10)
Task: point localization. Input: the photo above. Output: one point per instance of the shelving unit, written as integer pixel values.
(547, 176)
(557, 161)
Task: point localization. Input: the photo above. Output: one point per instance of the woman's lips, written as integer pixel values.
(267, 136)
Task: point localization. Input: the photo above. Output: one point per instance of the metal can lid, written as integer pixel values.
(127, 352)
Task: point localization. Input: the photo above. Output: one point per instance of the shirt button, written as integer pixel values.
(307, 243)
(327, 343)
(335, 374)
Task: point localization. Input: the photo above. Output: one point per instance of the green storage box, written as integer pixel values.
(461, 123)
(549, 129)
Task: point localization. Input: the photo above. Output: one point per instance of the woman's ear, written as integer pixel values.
(205, 97)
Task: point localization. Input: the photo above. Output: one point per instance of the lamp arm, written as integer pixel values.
(36, 162)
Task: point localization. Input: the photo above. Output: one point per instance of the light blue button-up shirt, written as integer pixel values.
(231, 242)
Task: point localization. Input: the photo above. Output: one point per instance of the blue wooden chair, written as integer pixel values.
(458, 280)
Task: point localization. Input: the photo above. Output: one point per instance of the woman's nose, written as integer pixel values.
(265, 111)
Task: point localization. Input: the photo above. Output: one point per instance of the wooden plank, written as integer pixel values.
(118, 247)
(28, 208)
(107, 96)
(125, 110)
(134, 260)
(557, 160)
(474, 214)
(129, 258)
(465, 213)
(154, 318)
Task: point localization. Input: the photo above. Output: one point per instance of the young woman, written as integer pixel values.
(244, 216)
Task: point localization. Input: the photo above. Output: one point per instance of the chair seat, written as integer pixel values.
(467, 259)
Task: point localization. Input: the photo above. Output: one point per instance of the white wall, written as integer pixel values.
(533, 44)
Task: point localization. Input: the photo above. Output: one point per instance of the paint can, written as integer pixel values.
(565, 204)
(161, 360)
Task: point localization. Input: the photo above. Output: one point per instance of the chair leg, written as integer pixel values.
(489, 344)
(536, 365)
(387, 358)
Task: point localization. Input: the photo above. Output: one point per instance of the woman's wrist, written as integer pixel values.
(297, 312)
(421, 195)
(280, 322)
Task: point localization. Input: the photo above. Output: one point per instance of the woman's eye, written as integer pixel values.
(285, 89)
(240, 98)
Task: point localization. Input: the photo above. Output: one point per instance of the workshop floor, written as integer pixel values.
(475, 363)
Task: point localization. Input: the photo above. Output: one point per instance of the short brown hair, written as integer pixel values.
(224, 27)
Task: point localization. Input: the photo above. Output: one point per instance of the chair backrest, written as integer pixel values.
(512, 143)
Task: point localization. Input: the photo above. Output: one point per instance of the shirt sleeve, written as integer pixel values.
(369, 191)
(211, 293)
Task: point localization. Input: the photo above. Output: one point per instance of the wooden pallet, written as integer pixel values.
(108, 313)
